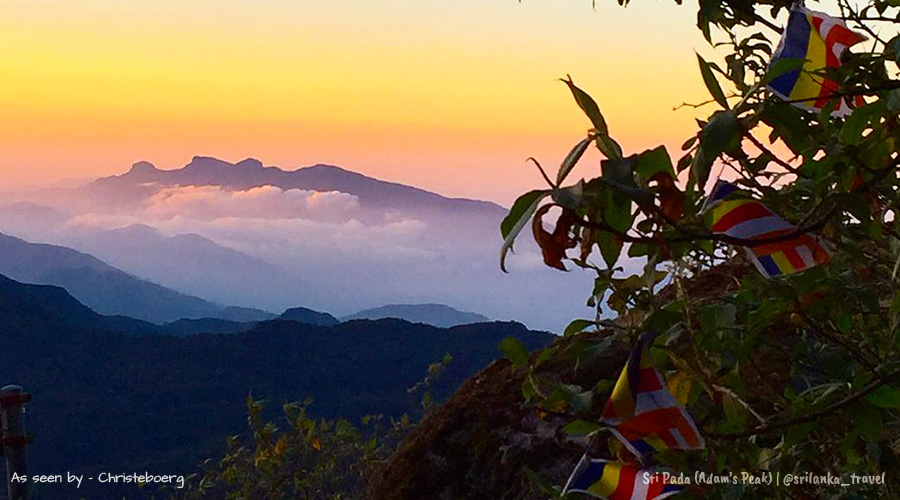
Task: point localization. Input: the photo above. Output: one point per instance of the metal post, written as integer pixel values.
(12, 418)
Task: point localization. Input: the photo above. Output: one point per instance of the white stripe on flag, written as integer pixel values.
(755, 260)
(679, 438)
(758, 226)
(640, 487)
(825, 26)
(649, 401)
(806, 255)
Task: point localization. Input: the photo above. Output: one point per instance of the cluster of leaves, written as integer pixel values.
(310, 458)
(795, 374)
(307, 458)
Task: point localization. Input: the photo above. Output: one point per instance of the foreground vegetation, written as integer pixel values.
(794, 374)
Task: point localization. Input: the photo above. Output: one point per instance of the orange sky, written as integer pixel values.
(448, 95)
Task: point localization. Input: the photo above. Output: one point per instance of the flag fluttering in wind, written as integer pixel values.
(745, 218)
(820, 40)
(618, 481)
(641, 411)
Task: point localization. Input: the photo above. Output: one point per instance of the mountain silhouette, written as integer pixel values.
(431, 314)
(305, 315)
(106, 401)
(248, 173)
(104, 288)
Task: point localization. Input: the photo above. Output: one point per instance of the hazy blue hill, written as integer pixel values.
(189, 263)
(104, 288)
(238, 325)
(244, 314)
(105, 401)
(431, 314)
(305, 315)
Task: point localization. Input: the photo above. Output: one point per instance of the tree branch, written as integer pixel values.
(837, 405)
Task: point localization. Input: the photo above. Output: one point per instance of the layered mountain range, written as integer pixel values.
(323, 237)
(106, 400)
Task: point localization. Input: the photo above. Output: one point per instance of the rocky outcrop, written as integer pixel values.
(482, 442)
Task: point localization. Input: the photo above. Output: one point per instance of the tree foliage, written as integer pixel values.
(792, 375)
(299, 456)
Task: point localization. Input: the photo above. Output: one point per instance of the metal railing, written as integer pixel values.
(14, 439)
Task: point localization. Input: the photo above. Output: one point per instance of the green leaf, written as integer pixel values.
(885, 397)
(518, 217)
(721, 134)
(868, 420)
(844, 323)
(576, 326)
(528, 389)
(711, 83)
(893, 46)
(581, 428)
(653, 161)
(587, 104)
(796, 433)
(520, 207)
(856, 123)
(893, 101)
(570, 196)
(582, 401)
(781, 67)
(571, 160)
(514, 350)
(545, 487)
(610, 248)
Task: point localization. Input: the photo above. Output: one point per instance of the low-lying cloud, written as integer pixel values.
(264, 202)
(334, 254)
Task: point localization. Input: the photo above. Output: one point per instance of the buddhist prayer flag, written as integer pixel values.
(745, 218)
(618, 481)
(641, 411)
(820, 40)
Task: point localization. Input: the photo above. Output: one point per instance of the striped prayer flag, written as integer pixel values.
(642, 413)
(741, 217)
(820, 40)
(618, 481)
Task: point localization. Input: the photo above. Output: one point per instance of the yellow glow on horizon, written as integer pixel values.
(414, 91)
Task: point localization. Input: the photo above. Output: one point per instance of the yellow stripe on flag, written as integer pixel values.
(783, 263)
(680, 386)
(621, 397)
(609, 481)
(809, 84)
(656, 442)
(722, 208)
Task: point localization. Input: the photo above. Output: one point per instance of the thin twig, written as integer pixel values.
(783, 164)
(837, 405)
(820, 332)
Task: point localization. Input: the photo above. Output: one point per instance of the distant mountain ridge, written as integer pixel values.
(438, 315)
(190, 263)
(249, 173)
(104, 288)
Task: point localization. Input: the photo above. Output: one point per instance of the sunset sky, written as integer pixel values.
(448, 95)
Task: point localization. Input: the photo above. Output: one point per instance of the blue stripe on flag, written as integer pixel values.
(672, 487)
(769, 265)
(796, 44)
(721, 190)
(641, 446)
(590, 475)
